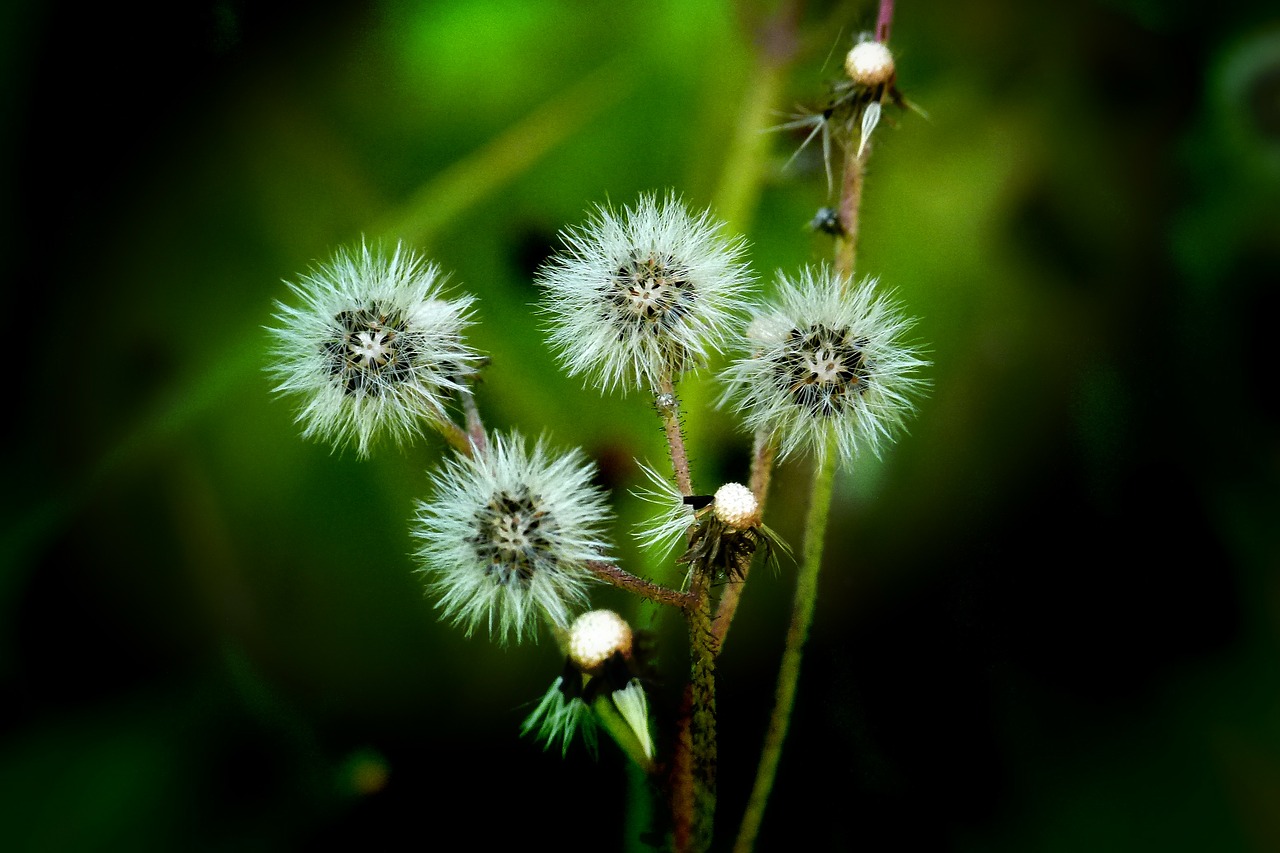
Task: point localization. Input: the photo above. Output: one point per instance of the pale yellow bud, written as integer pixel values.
(736, 507)
(869, 64)
(595, 636)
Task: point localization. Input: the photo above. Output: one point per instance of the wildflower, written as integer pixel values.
(508, 535)
(639, 297)
(372, 349)
(827, 366)
(599, 687)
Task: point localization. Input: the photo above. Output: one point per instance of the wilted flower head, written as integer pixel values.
(372, 348)
(598, 687)
(720, 532)
(826, 364)
(641, 296)
(854, 107)
(506, 537)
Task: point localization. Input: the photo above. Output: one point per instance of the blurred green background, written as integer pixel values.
(1048, 617)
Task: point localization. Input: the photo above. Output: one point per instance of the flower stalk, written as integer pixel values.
(806, 596)
(668, 405)
(695, 800)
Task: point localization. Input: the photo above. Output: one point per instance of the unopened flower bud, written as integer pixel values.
(869, 64)
(595, 636)
(736, 507)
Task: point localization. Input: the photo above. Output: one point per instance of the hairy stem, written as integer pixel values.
(789, 672)
(669, 411)
(475, 426)
(884, 21)
(762, 458)
(623, 579)
(694, 763)
(855, 165)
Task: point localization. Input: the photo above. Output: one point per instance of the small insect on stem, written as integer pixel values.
(827, 220)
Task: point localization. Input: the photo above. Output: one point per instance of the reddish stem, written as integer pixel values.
(884, 21)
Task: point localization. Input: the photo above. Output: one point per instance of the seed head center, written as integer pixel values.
(650, 288)
(825, 366)
(372, 347)
(512, 537)
(371, 350)
(511, 532)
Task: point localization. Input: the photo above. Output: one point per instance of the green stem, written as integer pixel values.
(458, 438)
(789, 672)
(694, 762)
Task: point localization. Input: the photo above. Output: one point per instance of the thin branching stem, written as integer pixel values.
(669, 412)
(475, 426)
(850, 200)
(623, 579)
(457, 437)
(702, 721)
(763, 453)
(806, 593)
(884, 21)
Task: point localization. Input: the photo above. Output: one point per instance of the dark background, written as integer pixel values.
(1048, 617)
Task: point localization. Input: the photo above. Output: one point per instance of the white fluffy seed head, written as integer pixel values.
(507, 536)
(642, 295)
(869, 63)
(835, 369)
(735, 506)
(370, 349)
(595, 636)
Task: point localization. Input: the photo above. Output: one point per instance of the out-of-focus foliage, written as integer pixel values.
(1048, 617)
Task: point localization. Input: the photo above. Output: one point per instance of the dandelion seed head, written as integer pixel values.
(370, 348)
(642, 295)
(506, 538)
(834, 367)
